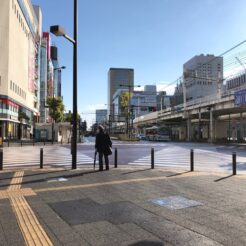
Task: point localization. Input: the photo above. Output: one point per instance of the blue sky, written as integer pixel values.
(155, 37)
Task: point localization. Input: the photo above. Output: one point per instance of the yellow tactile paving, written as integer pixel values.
(5, 194)
(16, 181)
(32, 231)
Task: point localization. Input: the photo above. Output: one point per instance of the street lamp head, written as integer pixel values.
(59, 68)
(57, 30)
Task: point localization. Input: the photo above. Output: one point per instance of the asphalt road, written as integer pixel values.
(207, 157)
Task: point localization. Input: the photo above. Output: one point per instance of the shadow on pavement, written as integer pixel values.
(177, 174)
(220, 179)
(147, 243)
(53, 177)
(136, 171)
(30, 175)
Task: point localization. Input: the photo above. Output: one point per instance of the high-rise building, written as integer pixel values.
(203, 75)
(163, 100)
(57, 72)
(20, 34)
(43, 81)
(119, 78)
(101, 116)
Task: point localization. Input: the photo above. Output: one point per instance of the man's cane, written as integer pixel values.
(95, 158)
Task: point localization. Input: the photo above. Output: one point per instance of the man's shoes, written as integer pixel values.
(107, 168)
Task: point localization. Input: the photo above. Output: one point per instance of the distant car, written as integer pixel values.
(141, 136)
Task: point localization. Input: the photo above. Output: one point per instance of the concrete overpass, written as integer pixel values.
(211, 118)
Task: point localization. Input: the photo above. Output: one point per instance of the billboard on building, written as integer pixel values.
(31, 64)
(240, 98)
(46, 35)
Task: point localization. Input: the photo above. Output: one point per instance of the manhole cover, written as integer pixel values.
(176, 202)
(61, 179)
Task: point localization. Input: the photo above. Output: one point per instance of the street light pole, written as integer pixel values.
(59, 31)
(75, 77)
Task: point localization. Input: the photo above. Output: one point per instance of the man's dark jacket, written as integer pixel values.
(103, 142)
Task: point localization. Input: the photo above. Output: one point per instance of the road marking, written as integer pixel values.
(115, 182)
(32, 231)
(53, 156)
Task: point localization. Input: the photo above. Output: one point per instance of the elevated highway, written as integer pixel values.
(211, 118)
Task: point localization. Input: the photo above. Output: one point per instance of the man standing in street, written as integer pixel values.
(103, 147)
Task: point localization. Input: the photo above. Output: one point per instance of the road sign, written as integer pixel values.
(240, 98)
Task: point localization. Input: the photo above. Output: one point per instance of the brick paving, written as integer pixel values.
(114, 207)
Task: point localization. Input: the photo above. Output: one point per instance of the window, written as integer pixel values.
(0, 80)
(11, 84)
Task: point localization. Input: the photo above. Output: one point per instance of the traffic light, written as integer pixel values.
(131, 110)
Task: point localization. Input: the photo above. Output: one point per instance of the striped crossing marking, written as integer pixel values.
(32, 231)
(204, 159)
(53, 156)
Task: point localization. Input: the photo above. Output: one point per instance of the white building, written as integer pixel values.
(141, 103)
(203, 76)
(19, 67)
(144, 102)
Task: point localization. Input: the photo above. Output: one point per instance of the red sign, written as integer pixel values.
(8, 102)
(46, 35)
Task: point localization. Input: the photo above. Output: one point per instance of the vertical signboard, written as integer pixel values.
(240, 98)
(31, 64)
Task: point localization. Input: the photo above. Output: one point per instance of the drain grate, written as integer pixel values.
(176, 202)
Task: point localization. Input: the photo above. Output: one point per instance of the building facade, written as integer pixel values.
(57, 72)
(43, 81)
(163, 100)
(143, 102)
(101, 116)
(203, 76)
(119, 78)
(19, 68)
(236, 81)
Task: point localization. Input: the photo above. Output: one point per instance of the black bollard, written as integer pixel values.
(21, 143)
(152, 159)
(41, 157)
(191, 160)
(115, 158)
(1, 159)
(234, 163)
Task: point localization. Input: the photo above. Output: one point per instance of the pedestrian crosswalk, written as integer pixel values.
(204, 159)
(53, 156)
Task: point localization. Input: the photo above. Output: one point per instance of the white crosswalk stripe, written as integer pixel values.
(55, 156)
(204, 159)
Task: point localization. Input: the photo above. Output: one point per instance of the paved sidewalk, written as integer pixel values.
(83, 207)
